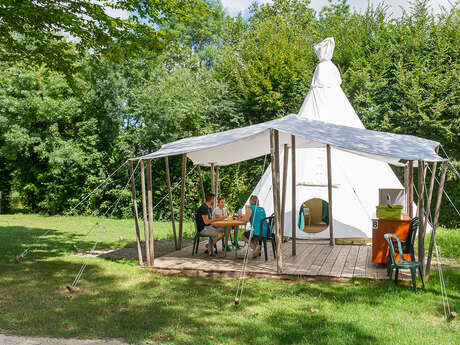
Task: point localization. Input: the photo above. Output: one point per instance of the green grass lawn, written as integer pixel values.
(116, 299)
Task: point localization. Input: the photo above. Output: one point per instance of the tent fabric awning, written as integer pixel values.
(240, 144)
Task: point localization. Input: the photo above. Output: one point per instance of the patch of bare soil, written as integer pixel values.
(16, 340)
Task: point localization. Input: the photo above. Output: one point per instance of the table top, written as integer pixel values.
(229, 222)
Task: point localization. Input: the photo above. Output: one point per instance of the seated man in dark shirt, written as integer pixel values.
(204, 221)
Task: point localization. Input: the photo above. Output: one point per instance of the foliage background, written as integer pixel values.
(61, 136)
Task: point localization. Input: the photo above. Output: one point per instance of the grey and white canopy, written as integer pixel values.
(241, 144)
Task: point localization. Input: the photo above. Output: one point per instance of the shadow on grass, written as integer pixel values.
(43, 243)
(179, 309)
(114, 299)
(47, 243)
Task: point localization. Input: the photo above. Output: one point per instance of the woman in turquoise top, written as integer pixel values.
(254, 216)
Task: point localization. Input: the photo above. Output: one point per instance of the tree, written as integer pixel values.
(266, 64)
(35, 30)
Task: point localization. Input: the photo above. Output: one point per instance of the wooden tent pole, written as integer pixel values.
(213, 180)
(274, 144)
(430, 192)
(406, 188)
(136, 215)
(421, 211)
(182, 196)
(171, 208)
(150, 209)
(203, 195)
(294, 210)
(283, 195)
(217, 182)
(410, 179)
(144, 215)
(436, 218)
(329, 193)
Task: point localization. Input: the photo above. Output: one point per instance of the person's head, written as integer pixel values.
(210, 198)
(254, 200)
(221, 202)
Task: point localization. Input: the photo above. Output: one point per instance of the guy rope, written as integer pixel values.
(26, 251)
(240, 287)
(74, 284)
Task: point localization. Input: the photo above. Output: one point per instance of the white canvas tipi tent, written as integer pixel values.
(356, 179)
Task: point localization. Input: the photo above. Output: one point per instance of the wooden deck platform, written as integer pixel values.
(313, 259)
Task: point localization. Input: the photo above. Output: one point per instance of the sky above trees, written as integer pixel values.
(233, 7)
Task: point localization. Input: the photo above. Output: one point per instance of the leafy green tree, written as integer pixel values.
(195, 42)
(41, 130)
(266, 64)
(38, 31)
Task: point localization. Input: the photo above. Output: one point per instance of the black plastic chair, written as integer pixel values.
(196, 241)
(270, 236)
(407, 245)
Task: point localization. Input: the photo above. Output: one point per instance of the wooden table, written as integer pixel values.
(232, 224)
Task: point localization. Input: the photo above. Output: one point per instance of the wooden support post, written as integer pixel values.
(217, 182)
(294, 210)
(283, 199)
(406, 189)
(410, 179)
(435, 220)
(144, 215)
(203, 194)
(329, 193)
(421, 212)
(182, 196)
(274, 144)
(213, 179)
(430, 192)
(136, 215)
(171, 208)
(150, 210)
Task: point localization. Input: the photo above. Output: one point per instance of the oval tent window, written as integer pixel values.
(315, 216)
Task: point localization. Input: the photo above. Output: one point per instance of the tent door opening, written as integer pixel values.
(314, 216)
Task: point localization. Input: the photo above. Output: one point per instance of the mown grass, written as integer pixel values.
(448, 241)
(116, 299)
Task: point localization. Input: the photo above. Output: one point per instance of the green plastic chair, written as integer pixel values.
(403, 264)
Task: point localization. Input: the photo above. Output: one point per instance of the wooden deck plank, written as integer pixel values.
(304, 265)
(360, 267)
(371, 268)
(350, 262)
(312, 259)
(339, 264)
(319, 260)
(294, 262)
(329, 262)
